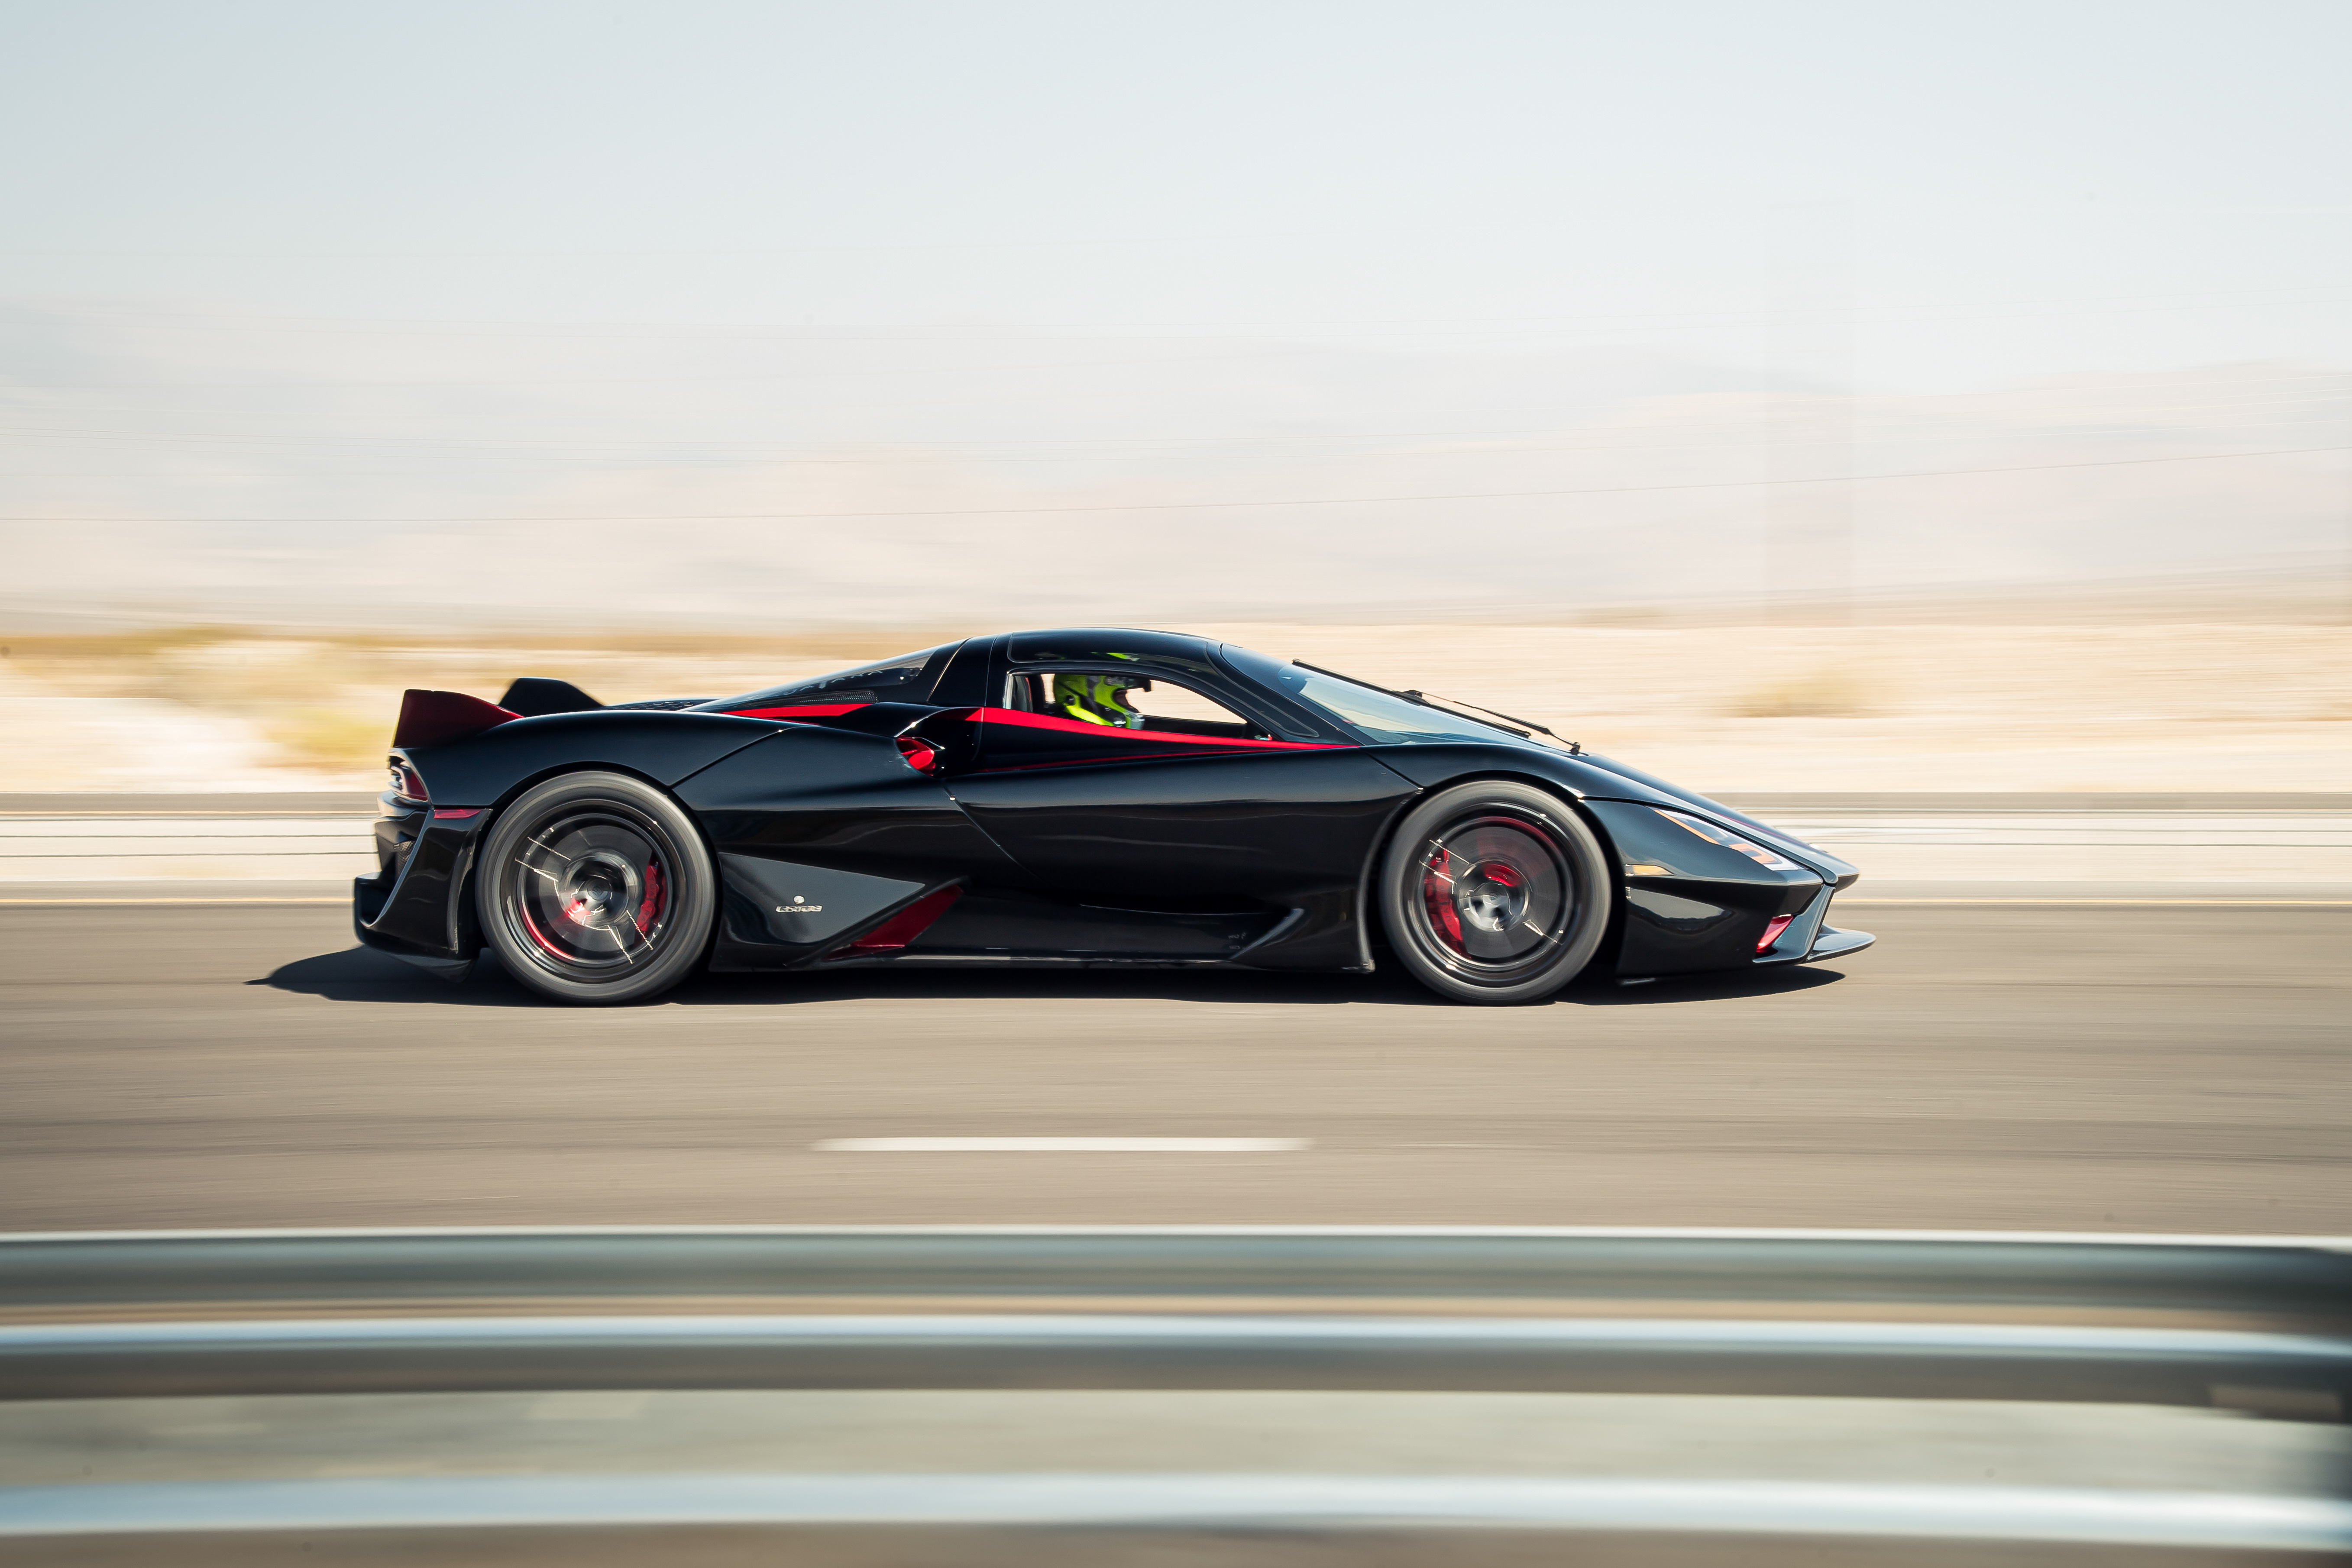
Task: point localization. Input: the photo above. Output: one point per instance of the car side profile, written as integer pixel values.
(1079, 798)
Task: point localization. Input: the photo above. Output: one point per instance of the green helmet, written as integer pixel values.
(1099, 699)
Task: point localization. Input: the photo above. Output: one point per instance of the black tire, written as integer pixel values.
(595, 887)
(1494, 892)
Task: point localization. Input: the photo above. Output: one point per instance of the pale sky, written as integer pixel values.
(1010, 309)
(2030, 187)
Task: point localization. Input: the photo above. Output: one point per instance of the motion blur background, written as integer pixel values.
(1790, 397)
(1928, 427)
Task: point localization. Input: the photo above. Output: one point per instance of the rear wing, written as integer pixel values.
(437, 718)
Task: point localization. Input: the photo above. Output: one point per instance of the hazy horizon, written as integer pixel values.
(782, 313)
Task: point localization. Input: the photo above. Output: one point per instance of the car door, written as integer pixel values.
(1169, 818)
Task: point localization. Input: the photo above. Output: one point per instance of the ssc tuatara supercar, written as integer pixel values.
(1082, 798)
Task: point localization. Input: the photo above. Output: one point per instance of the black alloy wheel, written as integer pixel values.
(1494, 891)
(595, 886)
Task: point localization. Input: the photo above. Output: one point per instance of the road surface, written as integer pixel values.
(2139, 1065)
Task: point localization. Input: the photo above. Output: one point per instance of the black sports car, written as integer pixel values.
(1083, 798)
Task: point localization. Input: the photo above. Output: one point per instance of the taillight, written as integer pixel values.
(921, 755)
(1772, 932)
(406, 782)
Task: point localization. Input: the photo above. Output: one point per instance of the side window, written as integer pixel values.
(1164, 700)
(1127, 701)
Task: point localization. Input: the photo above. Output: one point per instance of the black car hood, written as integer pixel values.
(1838, 871)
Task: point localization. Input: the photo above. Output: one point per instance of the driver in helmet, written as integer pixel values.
(1099, 699)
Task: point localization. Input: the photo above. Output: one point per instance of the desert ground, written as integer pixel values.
(2170, 706)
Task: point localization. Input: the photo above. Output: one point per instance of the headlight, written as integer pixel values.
(1771, 859)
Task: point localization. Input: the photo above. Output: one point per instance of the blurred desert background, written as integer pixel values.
(2066, 583)
(2152, 706)
(1921, 440)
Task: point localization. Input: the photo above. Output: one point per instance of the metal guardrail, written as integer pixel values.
(1901, 1361)
(1034, 1520)
(2258, 1325)
(211, 839)
(2304, 1277)
(1719, 1314)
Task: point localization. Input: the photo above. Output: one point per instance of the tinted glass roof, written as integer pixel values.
(1105, 643)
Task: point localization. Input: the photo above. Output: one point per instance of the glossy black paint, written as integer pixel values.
(799, 910)
(998, 925)
(1005, 742)
(1704, 908)
(534, 696)
(485, 769)
(1060, 843)
(398, 821)
(1840, 874)
(887, 720)
(1706, 916)
(832, 799)
(416, 906)
(905, 680)
(965, 683)
(1280, 830)
(1437, 765)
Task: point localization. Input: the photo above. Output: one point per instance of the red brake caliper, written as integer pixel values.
(648, 912)
(1437, 892)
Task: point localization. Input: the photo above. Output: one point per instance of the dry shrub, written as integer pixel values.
(329, 738)
(1822, 694)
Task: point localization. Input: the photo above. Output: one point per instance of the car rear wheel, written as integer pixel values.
(595, 887)
(1494, 891)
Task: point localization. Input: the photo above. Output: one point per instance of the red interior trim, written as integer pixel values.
(1018, 719)
(805, 711)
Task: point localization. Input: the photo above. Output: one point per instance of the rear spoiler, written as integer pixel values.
(437, 718)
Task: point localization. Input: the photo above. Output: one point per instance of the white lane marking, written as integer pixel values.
(1061, 1145)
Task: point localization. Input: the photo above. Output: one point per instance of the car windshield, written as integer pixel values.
(905, 678)
(1379, 716)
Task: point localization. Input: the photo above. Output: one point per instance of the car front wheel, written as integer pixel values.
(1494, 891)
(595, 887)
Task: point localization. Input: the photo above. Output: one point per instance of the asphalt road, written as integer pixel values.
(2160, 1067)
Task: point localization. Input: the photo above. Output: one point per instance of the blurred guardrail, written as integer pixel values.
(2248, 1342)
(307, 837)
(2118, 840)
(1204, 1267)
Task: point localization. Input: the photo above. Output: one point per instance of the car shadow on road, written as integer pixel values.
(362, 974)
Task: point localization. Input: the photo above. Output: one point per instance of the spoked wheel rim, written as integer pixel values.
(1496, 897)
(591, 893)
